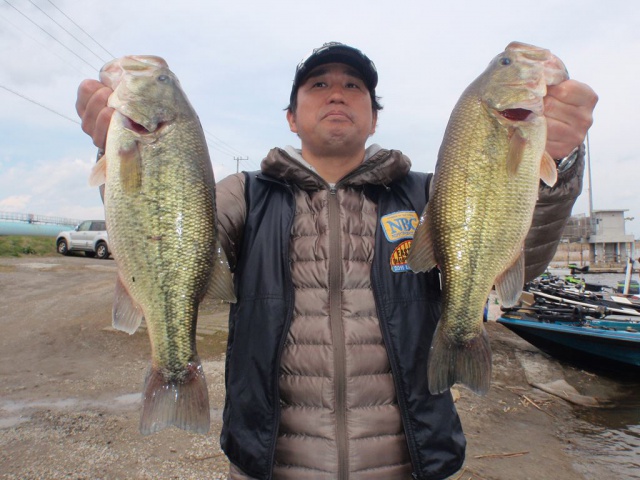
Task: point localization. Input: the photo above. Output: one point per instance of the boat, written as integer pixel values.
(575, 268)
(634, 287)
(592, 333)
(560, 291)
(603, 344)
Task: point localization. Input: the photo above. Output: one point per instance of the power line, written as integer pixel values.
(54, 38)
(68, 32)
(238, 160)
(82, 30)
(215, 142)
(237, 152)
(43, 45)
(39, 104)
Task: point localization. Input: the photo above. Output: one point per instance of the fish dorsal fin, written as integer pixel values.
(548, 170)
(127, 314)
(510, 282)
(221, 282)
(517, 144)
(98, 174)
(421, 256)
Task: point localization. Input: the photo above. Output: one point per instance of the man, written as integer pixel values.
(326, 360)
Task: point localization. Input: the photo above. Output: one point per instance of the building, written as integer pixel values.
(599, 240)
(608, 242)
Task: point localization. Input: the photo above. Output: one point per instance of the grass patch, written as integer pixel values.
(22, 246)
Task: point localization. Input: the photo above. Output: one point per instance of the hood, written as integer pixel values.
(381, 168)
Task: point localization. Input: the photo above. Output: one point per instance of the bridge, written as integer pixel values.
(12, 223)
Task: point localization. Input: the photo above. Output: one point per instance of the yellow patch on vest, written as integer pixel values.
(399, 225)
(399, 257)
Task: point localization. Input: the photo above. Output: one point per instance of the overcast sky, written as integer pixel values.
(236, 60)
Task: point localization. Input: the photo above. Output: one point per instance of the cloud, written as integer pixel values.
(15, 203)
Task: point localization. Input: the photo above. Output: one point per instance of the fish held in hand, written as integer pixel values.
(159, 197)
(483, 194)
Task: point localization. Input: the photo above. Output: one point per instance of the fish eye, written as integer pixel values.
(505, 61)
(163, 78)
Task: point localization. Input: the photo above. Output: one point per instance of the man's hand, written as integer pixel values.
(91, 106)
(568, 107)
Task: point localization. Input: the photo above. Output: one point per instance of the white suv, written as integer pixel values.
(89, 237)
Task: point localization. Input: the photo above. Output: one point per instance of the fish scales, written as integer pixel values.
(481, 204)
(160, 211)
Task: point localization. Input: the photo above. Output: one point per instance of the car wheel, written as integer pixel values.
(102, 251)
(62, 247)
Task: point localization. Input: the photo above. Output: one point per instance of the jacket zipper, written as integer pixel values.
(337, 332)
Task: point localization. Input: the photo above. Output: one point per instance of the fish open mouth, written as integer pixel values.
(138, 128)
(516, 114)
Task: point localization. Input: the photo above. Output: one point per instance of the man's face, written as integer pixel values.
(334, 114)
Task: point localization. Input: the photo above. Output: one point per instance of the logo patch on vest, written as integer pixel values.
(399, 225)
(399, 257)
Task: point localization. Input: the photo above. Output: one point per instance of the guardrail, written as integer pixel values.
(37, 219)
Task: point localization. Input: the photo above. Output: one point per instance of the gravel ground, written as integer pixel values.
(71, 386)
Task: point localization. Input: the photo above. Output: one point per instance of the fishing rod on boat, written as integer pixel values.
(550, 312)
(603, 310)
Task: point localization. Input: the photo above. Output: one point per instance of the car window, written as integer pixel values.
(98, 226)
(84, 226)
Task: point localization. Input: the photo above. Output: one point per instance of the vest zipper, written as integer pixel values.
(337, 332)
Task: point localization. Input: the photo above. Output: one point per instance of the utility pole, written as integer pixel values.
(238, 159)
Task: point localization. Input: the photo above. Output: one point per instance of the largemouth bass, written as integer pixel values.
(159, 199)
(483, 194)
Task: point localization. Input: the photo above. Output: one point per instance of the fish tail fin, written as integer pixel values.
(221, 282)
(182, 403)
(451, 362)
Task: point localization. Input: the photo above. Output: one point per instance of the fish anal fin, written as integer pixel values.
(98, 175)
(548, 170)
(510, 282)
(517, 144)
(181, 402)
(221, 281)
(127, 315)
(451, 362)
(421, 256)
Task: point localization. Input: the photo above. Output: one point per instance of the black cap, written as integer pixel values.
(336, 52)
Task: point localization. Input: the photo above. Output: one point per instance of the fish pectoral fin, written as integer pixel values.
(127, 315)
(98, 174)
(548, 170)
(221, 281)
(517, 144)
(421, 257)
(130, 167)
(510, 282)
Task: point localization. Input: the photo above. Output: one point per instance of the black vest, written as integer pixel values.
(408, 307)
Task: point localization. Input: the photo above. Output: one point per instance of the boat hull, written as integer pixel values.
(604, 344)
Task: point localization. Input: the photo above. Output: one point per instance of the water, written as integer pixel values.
(608, 437)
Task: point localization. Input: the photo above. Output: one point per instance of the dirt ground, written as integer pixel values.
(70, 391)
